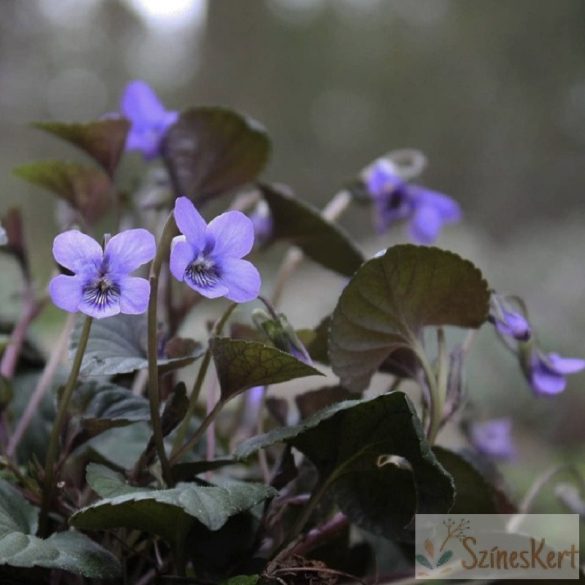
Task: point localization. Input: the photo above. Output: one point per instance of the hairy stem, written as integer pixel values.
(294, 257)
(49, 478)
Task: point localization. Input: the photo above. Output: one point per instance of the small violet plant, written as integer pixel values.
(395, 199)
(176, 441)
(101, 285)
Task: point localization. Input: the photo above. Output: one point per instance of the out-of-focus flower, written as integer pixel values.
(150, 121)
(101, 285)
(395, 199)
(547, 373)
(262, 222)
(209, 257)
(507, 321)
(493, 438)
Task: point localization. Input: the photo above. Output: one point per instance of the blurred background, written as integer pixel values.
(493, 92)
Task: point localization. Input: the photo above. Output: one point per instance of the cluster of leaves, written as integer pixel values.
(237, 514)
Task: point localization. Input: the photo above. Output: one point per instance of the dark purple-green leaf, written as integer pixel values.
(103, 140)
(347, 443)
(212, 150)
(86, 189)
(303, 225)
(392, 297)
(242, 364)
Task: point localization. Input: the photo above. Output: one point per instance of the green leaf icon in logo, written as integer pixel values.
(424, 562)
(444, 557)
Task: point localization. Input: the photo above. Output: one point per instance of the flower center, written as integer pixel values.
(101, 293)
(203, 272)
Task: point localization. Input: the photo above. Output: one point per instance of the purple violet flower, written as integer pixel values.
(208, 257)
(150, 121)
(395, 199)
(547, 373)
(262, 222)
(101, 285)
(507, 321)
(492, 438)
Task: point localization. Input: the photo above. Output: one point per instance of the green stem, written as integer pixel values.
(164, 245)
(198, 433)
(434, 398)
(49, 479)
(184, 428)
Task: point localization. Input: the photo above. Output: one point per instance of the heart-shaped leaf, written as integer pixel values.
(355, 445)
(170, 513)
(392, 297)
(242, 364)
(118, 346)
(86, 189)
(69, 551)
(108, 406)
(303, 225)
(473, 492)
(212, 150)
(103, 140)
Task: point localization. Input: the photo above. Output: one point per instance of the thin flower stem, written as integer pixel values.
(31, 309)
(434, 398)
(183, 429)
(49, 478)
(294, 257)
(164, 245)
(198, 433)
(42, 385)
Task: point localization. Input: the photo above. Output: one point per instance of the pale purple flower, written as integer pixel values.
(150, 121)
(208, 257)
(262, 222)
(493, 438)
(507, 321)
(395, 199)
(101, 285)
(547, 373)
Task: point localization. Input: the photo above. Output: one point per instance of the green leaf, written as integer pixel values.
(348, 442)
(444, 558)
(421, 559)
(69, 551)
(106, 482)
(473, 493)
(120, 447)
(109, 406)
(170, 513)
(211, 150)
(86, 189)
(392, 297)
(103, 140)
(302, 224)
(118, 346)
(242, 364)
